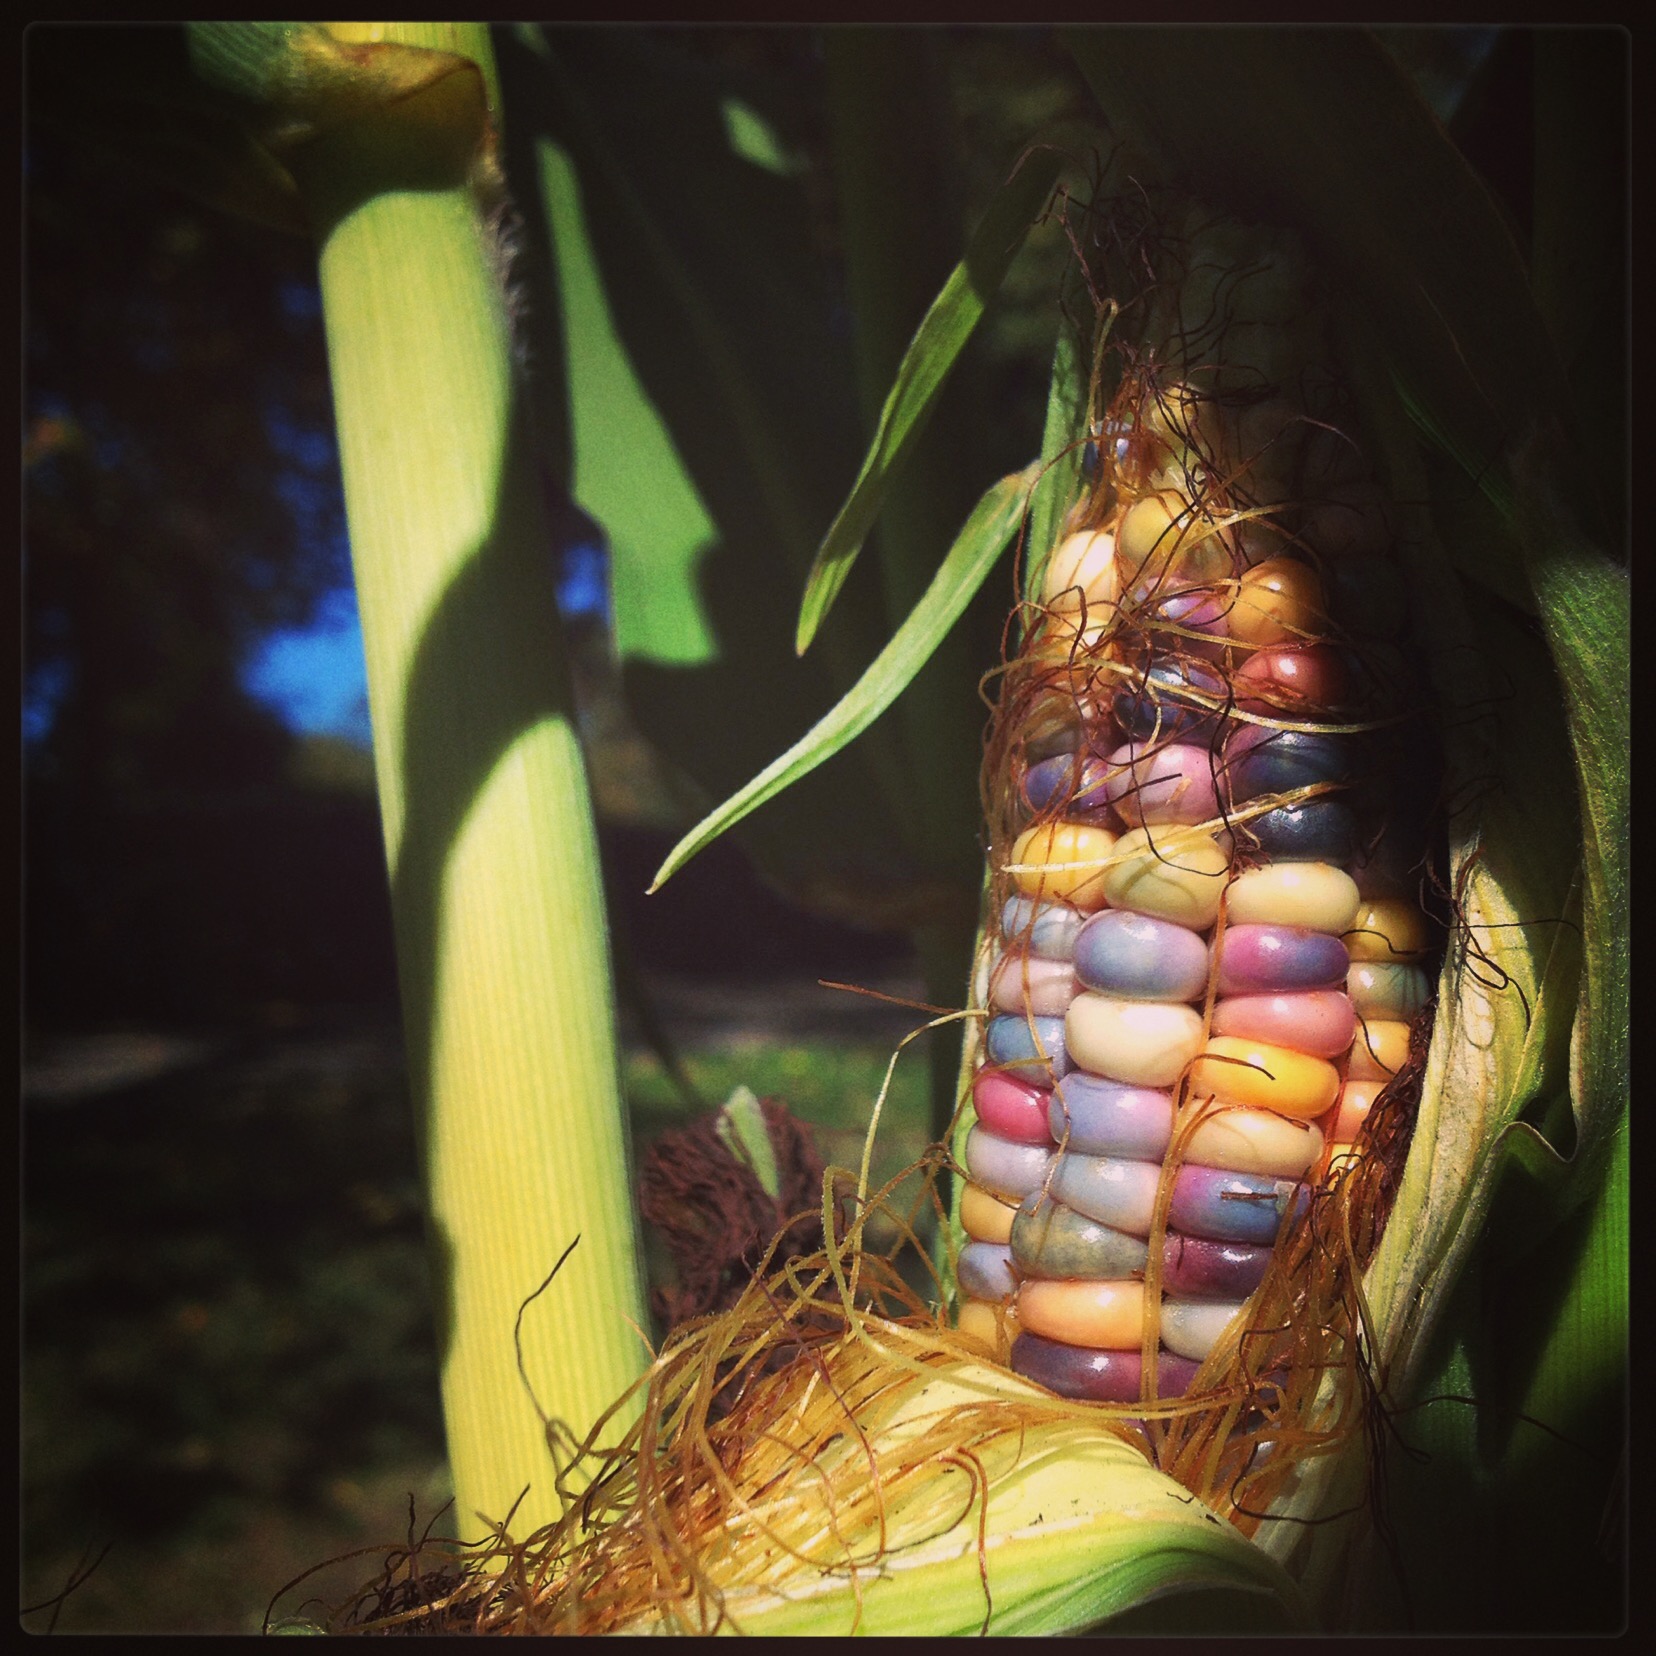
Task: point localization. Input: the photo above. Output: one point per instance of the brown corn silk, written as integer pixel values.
(1213, 379)
(824, 1422)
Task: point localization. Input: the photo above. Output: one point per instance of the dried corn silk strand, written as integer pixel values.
(1209, 788)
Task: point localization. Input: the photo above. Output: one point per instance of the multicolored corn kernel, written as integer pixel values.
(1210, 818)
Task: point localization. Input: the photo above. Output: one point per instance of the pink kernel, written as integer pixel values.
(1011, 1108)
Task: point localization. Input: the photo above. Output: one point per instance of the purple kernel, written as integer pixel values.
(1097, 1376)
(1231, 1207)
(1258, 959)
(984, 1271)
(1075, 782)
(1201, 1268)
(1111, 1118)
(1139, 957)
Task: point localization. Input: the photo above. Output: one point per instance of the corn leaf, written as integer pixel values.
(1060, 454)
(701, 413)
(936, 346)
(974, 553)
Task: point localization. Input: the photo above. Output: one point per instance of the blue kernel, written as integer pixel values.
(1283, 760)
(1156, 702)
(984, 1271)
(1316, 830)
(1047, 930)
(1032, 1055)
(1075, 781)
(1139, 957)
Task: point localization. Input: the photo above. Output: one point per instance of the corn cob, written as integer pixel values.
(1209, 798)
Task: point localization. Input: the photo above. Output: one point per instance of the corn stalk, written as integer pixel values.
(388, 133)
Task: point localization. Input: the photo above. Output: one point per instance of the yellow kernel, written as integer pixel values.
(1279, 601)
(1380, 1050)
(1253, 1141)
(1161, 544)
(1264, 1077)
(1388, 929)
(983, 1217)
(1315, 895)
(1082, 574)
(1143, 1043)
(1063, 862)
(994, 1327)
(1169, 872)
(1106, 1315)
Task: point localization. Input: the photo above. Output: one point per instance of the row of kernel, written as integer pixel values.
(1149, 742)
(1266, 1128)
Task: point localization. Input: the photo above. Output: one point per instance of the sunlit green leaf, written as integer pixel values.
(706, 421)
(1060, 452)
(627, 472)
(937, 344)
(970, 559)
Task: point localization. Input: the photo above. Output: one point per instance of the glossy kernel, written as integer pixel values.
(1145, 1043)
(994, 1327)
(1097, 1376)
(1004, 1167)
(983, 1216)
(1108, 1314)
(1172, 873)
(1383, 989)
(1320, 1022)
(1380, 1050)
(1277, 602)
(1053, 1241)
(1064, 862)
(1254, 1141)
(1022, 983)
(1356, 1100)
(1116, 1192)
(1139, 957)
(1031, 1048)
(1390, 929)
(1317, 896)
(1011, 1108)
(1265, 1077)
(1099, 1117)
(1047, 930)
(1292, 678)
(1261, 959)
(1082, 571)
(984, 1271)
(1170, 782)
